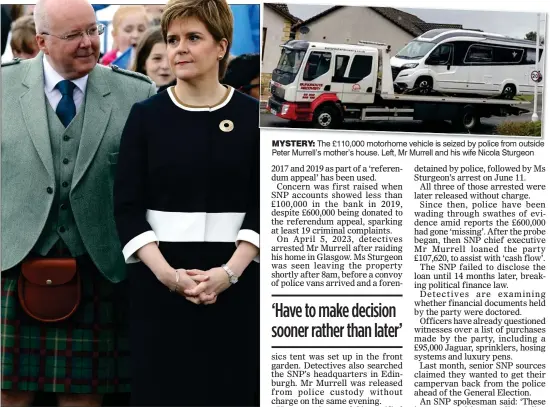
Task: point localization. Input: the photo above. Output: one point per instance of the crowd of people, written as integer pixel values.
(135, 27)
(129, 209)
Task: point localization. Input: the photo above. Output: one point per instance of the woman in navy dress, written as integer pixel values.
(187, 213)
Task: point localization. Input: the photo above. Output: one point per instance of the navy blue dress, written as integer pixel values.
(188, 178)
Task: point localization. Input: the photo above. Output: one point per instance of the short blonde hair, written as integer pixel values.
(23, 35)
(216, 15)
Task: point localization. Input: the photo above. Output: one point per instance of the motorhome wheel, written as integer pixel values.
(509, 91)
(424, 85)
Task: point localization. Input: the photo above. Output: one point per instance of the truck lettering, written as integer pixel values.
(310, 86)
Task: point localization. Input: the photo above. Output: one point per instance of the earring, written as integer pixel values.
(220, 57)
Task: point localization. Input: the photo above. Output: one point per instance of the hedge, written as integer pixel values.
(532, 129)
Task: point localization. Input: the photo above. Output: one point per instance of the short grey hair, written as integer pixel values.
(40, 17)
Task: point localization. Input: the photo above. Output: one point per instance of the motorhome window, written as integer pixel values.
(479, 54)
(507, 55)
(317, 64)
(341, 65)
(460, 49)
(441, 55)
(415, 50)
(361, 66)
(434, 33)
(530, 56)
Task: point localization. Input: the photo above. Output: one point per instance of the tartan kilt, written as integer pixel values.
(87, 353)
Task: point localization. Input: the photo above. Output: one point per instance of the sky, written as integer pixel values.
(513, 24)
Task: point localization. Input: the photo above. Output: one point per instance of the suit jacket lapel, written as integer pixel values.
(33, 106)
(96, 117)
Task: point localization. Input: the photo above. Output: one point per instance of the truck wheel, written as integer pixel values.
(424, 85)
(467, 119)
(326, 117)
(508, 92)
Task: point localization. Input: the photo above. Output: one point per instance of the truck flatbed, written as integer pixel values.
(452, 99)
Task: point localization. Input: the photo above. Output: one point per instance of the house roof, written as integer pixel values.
(282, 9)
(408, 22)
(316, 17)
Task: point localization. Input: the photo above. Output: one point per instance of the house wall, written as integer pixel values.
(348, 25)
(277, 32)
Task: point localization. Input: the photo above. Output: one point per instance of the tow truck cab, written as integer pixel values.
(313, 81)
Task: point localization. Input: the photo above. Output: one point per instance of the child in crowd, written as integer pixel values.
(129, 24)
(243, 73)
(23, 38)
(154, 11)
(152, 58)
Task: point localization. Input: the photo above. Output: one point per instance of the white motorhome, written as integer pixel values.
(326, 84)
(451, 61)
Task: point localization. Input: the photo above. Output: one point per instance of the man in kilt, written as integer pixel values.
(62, 118)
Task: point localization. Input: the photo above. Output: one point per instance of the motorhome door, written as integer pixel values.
(443, 70)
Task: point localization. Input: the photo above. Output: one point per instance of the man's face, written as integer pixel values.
(73, 58)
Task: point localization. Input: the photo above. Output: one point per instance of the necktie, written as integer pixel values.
(66, 109)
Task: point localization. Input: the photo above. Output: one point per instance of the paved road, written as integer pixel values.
(488, 126)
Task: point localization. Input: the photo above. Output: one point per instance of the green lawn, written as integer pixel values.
(526, 98)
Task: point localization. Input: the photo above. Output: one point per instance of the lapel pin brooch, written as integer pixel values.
(226, 126)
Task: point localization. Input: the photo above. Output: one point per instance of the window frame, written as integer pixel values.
(449, 59)
(351, 67)
(321, 55)
(478, 62)
(264, 33)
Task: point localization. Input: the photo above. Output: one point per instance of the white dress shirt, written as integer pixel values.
(52, 78)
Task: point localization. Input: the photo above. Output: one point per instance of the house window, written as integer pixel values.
(263, 41)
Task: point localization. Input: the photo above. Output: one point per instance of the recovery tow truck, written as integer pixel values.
(326, 84)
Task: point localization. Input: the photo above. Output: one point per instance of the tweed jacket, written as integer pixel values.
(28, 179)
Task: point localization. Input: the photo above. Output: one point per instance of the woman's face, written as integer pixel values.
(130, 30)
(157, 66)
(192, 51)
